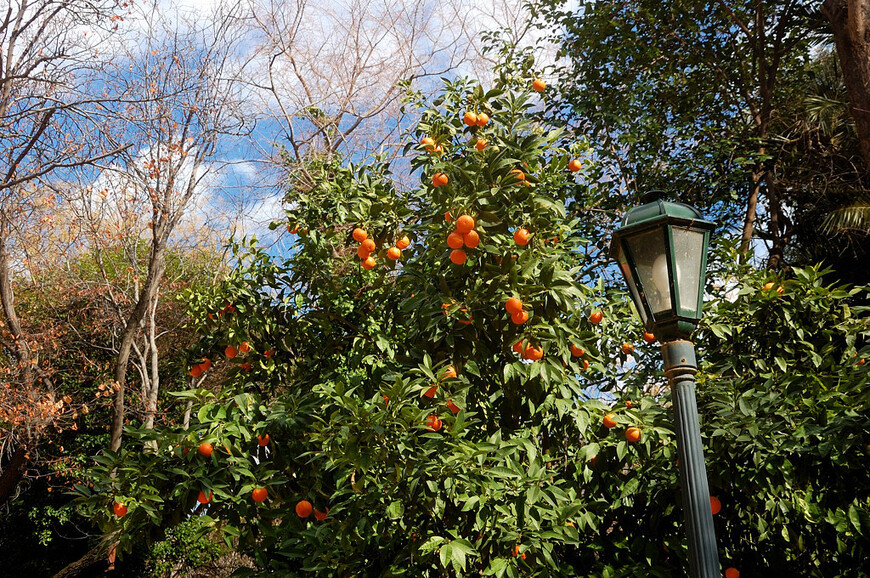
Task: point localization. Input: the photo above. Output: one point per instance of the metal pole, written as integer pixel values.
(681, 367)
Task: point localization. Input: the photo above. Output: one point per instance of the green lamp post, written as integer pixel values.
(661, 249)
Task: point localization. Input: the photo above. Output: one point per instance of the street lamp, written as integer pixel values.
(661, 249)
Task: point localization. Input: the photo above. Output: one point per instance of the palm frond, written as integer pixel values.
(852, 219)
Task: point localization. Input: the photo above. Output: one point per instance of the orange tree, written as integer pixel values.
(421, 386)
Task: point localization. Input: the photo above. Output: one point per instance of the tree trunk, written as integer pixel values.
(95, 555)
(156, 267)
(849, 23)
(12, 474)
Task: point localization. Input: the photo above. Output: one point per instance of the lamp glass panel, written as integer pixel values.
(651, 262)
(688, 253)
(631, 282)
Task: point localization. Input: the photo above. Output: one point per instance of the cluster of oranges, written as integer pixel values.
(199, 368)
(433, 422)
(463, 235)
(632, 434)
(367, 246)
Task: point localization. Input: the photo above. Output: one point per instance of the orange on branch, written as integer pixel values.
(464, 224)
(519, 318)
(394, 253)
(574, 165)
(458, 256)
(480, 144)
(632, 434)
(119, 509)
(440, 179)
(230, 351)
(610, 420)
(263, 440)
(715, 505)
(513, 305)
(577, 351)
(452, 406)
(521, 237)
(259, 494)
(359, 235)
(430, 393)
(454, 240)
(482, 119)
(369, 263)
(404, 242)
(433, 422)
(471, 239)
(202, 498)
(596, 317)
(205, 449)
(539, 85)
(368, 245)
(304, 508)
(469, 118)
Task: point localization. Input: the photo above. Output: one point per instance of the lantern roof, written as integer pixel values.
(656, 209)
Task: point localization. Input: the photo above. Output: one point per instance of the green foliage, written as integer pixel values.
(185, 548)
(522, 478)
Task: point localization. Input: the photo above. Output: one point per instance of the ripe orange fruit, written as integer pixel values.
(320, 516)
(450, 371)
(780, 290)
(195, 371)
(861, 361)
(539, 85)
(482, 119)
(518, 347)
(205, 449)
(294, 230)
(574, 165)
(715, 505)
(386, 398)
(513, 305)
(521, 237)
(464, 224)
(471, 239)
(596, 317)
(732, 573)
(632, 434)
(269, 353)
(517, 552)
(519, 318)
(534, 353)
(205, 365)
(362, 253)
(246, 366)
(427, 142)
(447, 216)
(263, 440)
(430, 393)
(359, 235)
(259, 494)
(244, 347)
(203, 499)
(469, 118)
(454, 240)
(369, 263)
(769, 286)
(394, 253)
(649, 337)
(520, 175)
(230, 351)
(404, 242)
(627, 348)
(119, 509)
(303, 508)
(458, 256)
(480, 144)
(452, 406)
(438, 150)
(628, 404)
(433, 422)
(367, 245)
(577, 351)
(610, 420)
(585, 364)
(440, 179)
